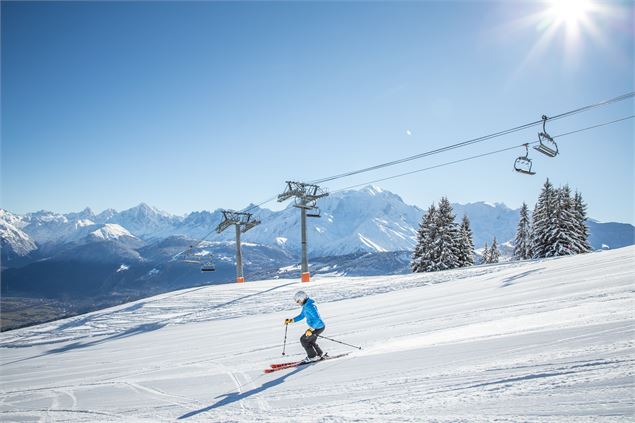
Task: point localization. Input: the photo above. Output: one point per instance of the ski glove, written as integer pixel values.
(287, 321)
(309, 332)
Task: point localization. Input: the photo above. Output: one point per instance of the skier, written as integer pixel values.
(316, 326)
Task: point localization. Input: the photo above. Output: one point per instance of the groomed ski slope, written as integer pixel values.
(547, 340)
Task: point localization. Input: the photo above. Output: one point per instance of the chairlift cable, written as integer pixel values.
(432, 167)
(456, 161)
(479, 155)
(560, 116)
(255, 206)
(595, 126)
(475, 140)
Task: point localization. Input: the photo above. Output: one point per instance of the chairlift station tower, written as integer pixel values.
(243, 222)
(305, 198)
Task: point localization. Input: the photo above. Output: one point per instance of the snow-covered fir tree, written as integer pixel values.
(439, 240)
(485, 255)
(559, 226)
(522, 241)
(494, 253)
(446, 244)
(466, 250)
(561, 240)
(582, 230)
(543, 220)
(421, 259)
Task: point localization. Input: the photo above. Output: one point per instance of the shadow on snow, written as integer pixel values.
(512, 279)
(227, 399)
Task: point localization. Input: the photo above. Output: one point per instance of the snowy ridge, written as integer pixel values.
(384, 221)
(15, 240)
(541, 341)
(110, 231)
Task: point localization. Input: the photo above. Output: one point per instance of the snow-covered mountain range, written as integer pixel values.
(366, 220)
(111, 257)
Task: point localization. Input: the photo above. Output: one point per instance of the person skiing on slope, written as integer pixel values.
(316, 326)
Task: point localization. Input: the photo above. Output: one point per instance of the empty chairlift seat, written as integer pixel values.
(523, 163)
(547, 145)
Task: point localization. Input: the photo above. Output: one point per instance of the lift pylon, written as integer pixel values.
(243, 222)
(305, 198)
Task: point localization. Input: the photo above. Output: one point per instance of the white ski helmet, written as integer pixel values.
(300, 297)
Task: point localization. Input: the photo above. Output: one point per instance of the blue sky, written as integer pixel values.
(205, 105)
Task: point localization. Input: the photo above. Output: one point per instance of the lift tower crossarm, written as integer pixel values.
(308, 192)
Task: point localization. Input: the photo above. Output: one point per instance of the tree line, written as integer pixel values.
(557, 227)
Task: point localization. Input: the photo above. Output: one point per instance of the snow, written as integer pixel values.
(111, 231)
(538, 340)
(123, 268)
(380, 215)
(14, 238)
(202, 253)
(85, 222)
(373, 189)
(370, 243)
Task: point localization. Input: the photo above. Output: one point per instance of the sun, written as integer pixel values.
(565, 28)
(570, 12)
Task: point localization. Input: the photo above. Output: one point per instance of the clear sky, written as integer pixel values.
(202, 105)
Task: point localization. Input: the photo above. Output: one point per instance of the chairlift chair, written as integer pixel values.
(315, 212)
(207, 265)
(547, 145)
(523, 163)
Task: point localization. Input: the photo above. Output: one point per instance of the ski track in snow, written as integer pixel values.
(535, 341)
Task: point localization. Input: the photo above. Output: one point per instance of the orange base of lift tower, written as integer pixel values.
(240, 280)
(306, 277)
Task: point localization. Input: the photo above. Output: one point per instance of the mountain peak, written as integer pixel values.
(111, 231)
(143, 209)
(86, 214)
(373, 189)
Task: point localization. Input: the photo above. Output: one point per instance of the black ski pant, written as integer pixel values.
(310, 343)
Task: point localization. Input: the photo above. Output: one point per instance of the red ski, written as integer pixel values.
(282, 366)
(276, 365)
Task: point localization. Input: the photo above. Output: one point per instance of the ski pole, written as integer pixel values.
(284, 346)
(340, 342)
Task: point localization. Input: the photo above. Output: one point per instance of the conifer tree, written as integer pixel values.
(421, 259)
(561, 239)
(485, 255)
(494, 254)
(522, 242)
(543, 220)
(582, 231)
(466, 254)
(445, 247)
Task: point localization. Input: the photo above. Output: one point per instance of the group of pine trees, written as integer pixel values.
(491, 254)
(557, 226)
(441, 242)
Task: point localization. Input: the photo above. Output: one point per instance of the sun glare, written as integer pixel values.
(569, 11)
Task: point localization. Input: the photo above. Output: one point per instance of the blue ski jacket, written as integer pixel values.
(310, 311)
